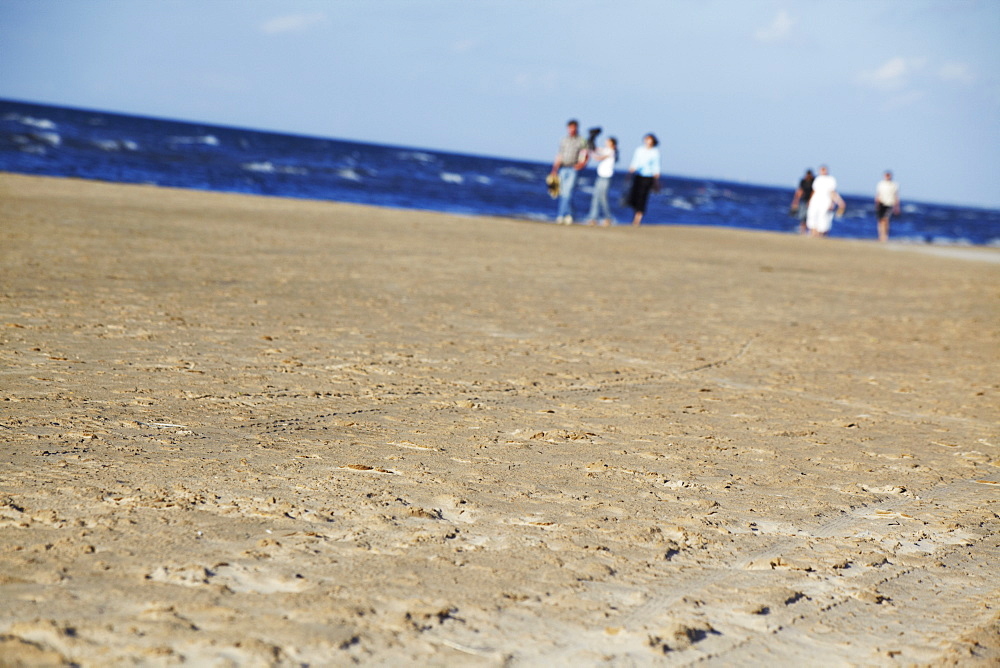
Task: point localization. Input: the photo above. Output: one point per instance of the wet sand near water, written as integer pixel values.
(253, 431)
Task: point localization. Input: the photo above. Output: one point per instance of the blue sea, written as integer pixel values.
(59, 141)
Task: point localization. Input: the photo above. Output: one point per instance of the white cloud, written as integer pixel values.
(777, 30)
(957, 73)
(894, 74)
(292, 23)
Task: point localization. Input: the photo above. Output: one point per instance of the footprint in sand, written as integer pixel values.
(235, 577)
(364, 468)
(456, 509)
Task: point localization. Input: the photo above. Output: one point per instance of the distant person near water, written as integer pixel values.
(800, 202)
(819, 218)
(606, 157)
(645, 170)
(571, 158)
(886, 204)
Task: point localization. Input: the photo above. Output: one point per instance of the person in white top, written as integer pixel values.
(819, 218)
(606, 157)
(886, 204)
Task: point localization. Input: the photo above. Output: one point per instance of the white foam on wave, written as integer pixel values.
(349, 174)
(263, 167)
(417, 156)
(451, 177)
(681, 203)
(207, 140)
(518, 173)
(40, 123)
(51, 138)
(268, 167)
(116, 144)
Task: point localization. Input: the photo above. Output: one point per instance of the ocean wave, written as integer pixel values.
(40, 123)
(971, 214)
(417, 156)
(207, 140)
(451, 177)
(349, 174)
(267, 167)
(681, 203)
(115, 144)
(49, 138)
(518, 173)
(34, 149)
(35, 142)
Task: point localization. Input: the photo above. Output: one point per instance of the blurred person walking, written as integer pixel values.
(645, 170)
(571, 158)
(606, 157)
(886, 204)
(819, 218)
(800, 202)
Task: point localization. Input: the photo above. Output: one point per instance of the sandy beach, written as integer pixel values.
(253, 431)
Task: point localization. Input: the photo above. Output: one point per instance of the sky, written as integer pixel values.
(750, 91)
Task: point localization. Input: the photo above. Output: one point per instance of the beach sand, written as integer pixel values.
(253, 431)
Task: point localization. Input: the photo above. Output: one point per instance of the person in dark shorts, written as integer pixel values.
(886, 204)
(645, 170)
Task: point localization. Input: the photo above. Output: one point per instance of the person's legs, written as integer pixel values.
(567, 182)
(812, 216)
(641, 185)
(595, 202)
(599, 201)
(822, 223)
(884, 214)
(601, 198)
